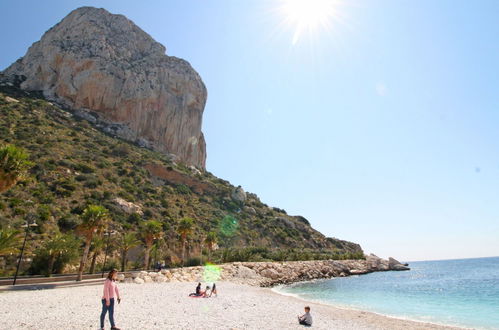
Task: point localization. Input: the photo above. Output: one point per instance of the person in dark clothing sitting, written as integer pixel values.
(305, 319)
(198, 291)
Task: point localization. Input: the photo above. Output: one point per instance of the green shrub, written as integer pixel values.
(194, 261)
(68, 222)
(183, 189)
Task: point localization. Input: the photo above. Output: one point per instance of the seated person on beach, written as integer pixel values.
(198, 291)
(206, 292)
(214, 290)
(305, 319)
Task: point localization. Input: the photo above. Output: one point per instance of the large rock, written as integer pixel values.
(394, 264)
(246, 273)
(238, 194)
(270, 273)
(108, 70)
(128, 207)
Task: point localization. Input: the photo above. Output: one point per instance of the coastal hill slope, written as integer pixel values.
(117, 76)
(77, 165)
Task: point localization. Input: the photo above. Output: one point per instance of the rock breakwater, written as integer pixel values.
(267, 274)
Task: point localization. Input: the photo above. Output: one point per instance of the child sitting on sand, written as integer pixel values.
(305, 319)
(206, 292)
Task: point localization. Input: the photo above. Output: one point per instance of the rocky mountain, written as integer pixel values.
(109, 71)
(96, 82)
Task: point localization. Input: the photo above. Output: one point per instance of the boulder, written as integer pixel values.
(270, 273)
(121, 277)
(394, 264)
(399, 267)
(238, 194)
(147, 279)
(138, 280)
(160, 279)
(246, 273)
(250, 210)
(128, 207)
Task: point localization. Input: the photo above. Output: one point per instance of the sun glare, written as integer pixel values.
(308, 16)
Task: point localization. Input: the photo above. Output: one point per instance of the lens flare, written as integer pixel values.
(229, 226)
(211, 273)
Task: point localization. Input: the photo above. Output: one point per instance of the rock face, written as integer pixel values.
(115, 75)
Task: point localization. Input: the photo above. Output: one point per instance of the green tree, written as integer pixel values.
(150, 231)
(127, 242)
(9, 241)
(13, 166)
(97, 246)
(58, 246)
(210, 241)
(185, 229)
(94, 220)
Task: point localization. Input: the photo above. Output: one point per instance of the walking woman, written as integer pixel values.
(110, 292)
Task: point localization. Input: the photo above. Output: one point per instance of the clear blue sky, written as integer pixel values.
(381, 129)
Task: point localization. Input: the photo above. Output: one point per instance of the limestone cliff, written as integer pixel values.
(109, 71)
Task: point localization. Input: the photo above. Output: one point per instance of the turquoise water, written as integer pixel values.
(456, 292)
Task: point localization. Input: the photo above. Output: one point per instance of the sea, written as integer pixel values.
(462, 292)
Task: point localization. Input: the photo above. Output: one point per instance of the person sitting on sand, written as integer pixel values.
(305, 319)
(198, 291)
(206, 292)
(214, 290)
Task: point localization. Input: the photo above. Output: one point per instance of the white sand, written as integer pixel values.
(167, 306)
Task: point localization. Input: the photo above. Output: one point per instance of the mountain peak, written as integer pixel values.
(109, 71)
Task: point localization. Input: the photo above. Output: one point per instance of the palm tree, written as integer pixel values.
(127, 242)
(210, 241)
(185, 228)
(9, 241)
(150, 231)
(57, 246)
(94, 220)
(97, 246)
(13, 166)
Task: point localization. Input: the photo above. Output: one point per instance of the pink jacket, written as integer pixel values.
(110, 290)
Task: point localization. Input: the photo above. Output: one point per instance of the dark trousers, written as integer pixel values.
(105, 308)
(303, 322)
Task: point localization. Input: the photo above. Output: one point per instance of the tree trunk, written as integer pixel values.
(146, 256)
(92, 265)
(50, 266)
(209, 254)
(183, 252)
(201, 254)
(123, 260)
(84, 258)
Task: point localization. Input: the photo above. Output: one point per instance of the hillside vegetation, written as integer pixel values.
(74, 165)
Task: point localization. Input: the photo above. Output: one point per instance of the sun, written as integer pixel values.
(308, 16)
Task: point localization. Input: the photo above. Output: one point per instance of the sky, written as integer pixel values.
(376, 120)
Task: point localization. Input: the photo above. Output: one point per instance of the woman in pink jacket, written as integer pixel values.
(110, 292)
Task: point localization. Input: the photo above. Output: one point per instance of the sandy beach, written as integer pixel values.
(167, 306)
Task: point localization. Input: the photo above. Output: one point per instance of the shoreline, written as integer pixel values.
(275, 290)
(167, 306)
